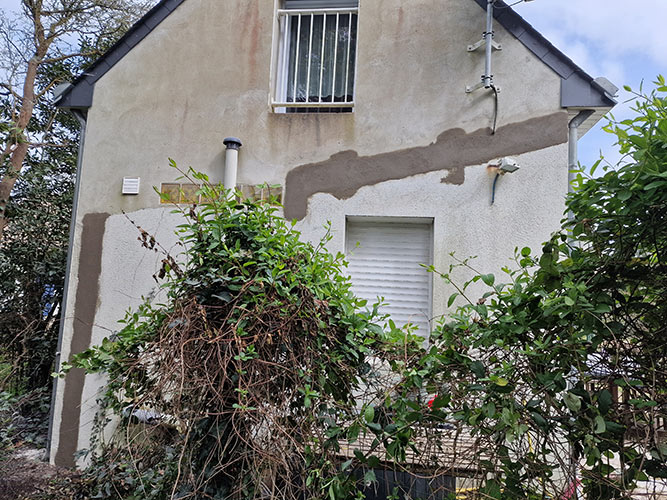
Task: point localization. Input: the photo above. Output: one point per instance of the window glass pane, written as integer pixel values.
(328, 62)
(324, 63)
(317, 56)
(348, 39)
(316, 51)
(299, 40)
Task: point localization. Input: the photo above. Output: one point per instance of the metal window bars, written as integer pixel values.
(317, 57)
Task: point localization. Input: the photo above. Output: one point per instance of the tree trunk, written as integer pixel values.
(18, 154)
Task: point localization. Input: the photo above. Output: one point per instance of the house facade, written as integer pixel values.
(364, 113)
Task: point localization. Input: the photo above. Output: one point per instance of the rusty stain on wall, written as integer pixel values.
(344, 173)
(251, 31)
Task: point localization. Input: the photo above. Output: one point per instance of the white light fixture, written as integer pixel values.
(505, 166)
(131, 185)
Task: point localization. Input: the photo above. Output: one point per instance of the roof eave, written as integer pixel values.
(80, 94)
(581, 93)
(578, 88)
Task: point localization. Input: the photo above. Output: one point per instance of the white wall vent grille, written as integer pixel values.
(386, 263)
(131, 185)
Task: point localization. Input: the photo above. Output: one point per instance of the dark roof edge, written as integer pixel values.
(578, 88)
(79, 95)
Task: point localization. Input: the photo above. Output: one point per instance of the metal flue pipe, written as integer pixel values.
(572, 146)
(231, 163)
(573, 149)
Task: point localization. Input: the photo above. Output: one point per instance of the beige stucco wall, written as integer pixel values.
(528, 206)
(205, 74)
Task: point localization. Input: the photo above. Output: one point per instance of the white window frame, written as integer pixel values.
(282, 49)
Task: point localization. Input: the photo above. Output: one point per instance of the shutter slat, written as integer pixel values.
(395, 291)
(397, 300)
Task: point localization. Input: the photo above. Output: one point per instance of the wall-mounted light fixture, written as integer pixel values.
(504, 166)
(507, 166)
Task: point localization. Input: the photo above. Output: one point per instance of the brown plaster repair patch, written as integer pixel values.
(85, 306)
(344, 173)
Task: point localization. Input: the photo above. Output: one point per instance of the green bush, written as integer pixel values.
(251, 365)
(559, 373)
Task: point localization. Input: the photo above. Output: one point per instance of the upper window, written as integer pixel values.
(316, 56)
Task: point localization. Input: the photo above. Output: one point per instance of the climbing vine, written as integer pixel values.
(250, 366)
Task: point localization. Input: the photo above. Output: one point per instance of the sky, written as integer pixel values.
(619, 39)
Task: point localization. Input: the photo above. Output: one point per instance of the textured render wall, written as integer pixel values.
(123, 279)
(528, 207)
(204, 74)
(126, 278)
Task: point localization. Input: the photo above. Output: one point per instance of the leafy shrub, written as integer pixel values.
(23, 419)
(559, 374)
(251, 365)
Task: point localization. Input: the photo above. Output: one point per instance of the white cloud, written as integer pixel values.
(618, 39)
(618, 27)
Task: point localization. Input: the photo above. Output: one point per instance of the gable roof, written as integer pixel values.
(79, 94)
(578, 88)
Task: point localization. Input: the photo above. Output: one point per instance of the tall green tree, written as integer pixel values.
(33, 250)
(48, 43)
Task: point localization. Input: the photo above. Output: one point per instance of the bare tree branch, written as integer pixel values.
(42, 36)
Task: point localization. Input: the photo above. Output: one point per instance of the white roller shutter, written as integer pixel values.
(384, 257)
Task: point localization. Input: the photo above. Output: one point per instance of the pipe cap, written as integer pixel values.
(232, 143)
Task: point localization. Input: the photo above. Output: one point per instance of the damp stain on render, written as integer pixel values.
(87, 292)
(344, 173)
